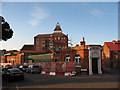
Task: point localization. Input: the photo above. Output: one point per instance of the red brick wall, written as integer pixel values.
(38, 43)
(77, 50)
(59, 40)
(106, 55)
(2, 59)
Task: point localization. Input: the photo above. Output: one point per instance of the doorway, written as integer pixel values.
(95, 65)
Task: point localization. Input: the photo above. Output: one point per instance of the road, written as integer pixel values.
(80, 81)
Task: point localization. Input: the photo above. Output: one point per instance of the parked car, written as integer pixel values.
(12, 74)
(23, 68)
(8, 66)
(4, 70)
(33, 69)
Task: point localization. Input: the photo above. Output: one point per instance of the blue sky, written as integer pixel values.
(96, 21)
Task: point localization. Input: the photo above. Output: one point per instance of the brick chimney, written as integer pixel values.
(82, 42)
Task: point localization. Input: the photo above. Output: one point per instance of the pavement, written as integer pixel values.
(111, 71)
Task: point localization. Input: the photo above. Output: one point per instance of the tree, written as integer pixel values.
(7, 32)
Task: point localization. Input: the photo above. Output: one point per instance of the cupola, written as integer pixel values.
(57, 28)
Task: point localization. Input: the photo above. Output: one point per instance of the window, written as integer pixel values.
(37, 49)
(43, 42)
(56, 48)
(56, 60)
(51, 41)
(58, 38)
(51, 47)
(37, 41)
(116, 56)
(43, 48)
(55, 38)
(67, 58)
(78, 60)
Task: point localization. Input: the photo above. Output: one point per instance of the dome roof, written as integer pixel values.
(57, 28)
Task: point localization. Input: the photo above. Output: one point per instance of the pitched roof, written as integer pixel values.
(28, 47)
(43, 35)
(113, 46)
(58, 28)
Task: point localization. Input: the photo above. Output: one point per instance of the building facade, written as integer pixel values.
(55, 41)
(16, 58)
(43, 44)
(111, 54)
(87, 58)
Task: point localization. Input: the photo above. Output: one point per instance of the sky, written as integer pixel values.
(96, 21)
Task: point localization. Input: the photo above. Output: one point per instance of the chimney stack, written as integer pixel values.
(82, 42)
(83, 39)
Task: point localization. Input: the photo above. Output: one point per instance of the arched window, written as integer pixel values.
(77, 60)
(67, 58)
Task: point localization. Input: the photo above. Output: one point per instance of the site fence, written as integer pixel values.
(57, 66)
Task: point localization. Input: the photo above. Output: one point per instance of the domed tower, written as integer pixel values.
(57, 28)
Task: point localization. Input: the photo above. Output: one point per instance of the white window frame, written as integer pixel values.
(67, 59)
(78, 63)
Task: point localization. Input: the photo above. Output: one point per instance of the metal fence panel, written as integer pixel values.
(58, 66)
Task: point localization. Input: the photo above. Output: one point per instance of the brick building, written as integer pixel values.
(6, 53)
(15, 58)
(55, 41)
(111, 54)
(54, 47)
(46, 44)
(12, 56)
(86, 57)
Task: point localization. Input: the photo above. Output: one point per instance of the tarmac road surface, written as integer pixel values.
(80, 81)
